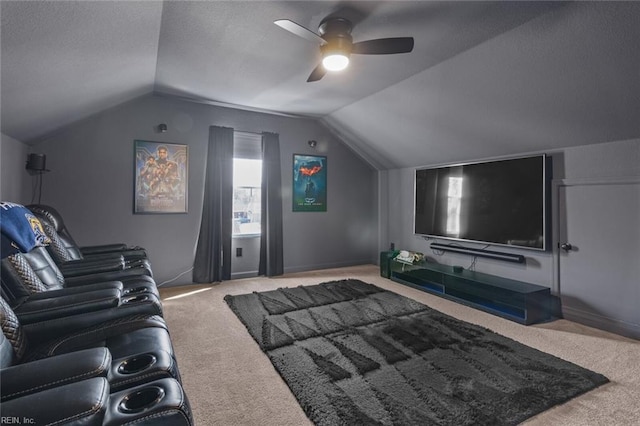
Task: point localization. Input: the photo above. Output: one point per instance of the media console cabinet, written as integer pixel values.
(515, 300)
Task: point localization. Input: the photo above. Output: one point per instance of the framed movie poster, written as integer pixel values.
(309, 183)
(161, 171)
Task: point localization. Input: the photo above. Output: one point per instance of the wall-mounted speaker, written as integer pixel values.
(36, 162)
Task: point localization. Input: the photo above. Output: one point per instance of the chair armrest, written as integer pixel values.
(134, 254)
(67, 291)
(43, 331)
(171, 407)
(84, 402)
(105, 276)
(103, 248)
(97, 257)
(129, 253)
(81, 267)
(32, 311)
(37, 376)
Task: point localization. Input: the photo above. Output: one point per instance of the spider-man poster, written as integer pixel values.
(309, 183)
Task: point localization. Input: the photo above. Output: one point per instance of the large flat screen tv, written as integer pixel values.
(494, 202)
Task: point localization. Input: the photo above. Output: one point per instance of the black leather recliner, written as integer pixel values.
(89, 403)
(140, 345)
(39, 261)
(69, 258)
(35, 302)
(32, 377)
(73, 389)
(27, 230)
(83, 342)
(22, 231)
(66, 247)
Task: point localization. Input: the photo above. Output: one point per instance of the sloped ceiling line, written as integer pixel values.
(485, 78)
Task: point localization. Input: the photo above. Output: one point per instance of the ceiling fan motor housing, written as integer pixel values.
(337, 34)
(334, 27)
(337, 45)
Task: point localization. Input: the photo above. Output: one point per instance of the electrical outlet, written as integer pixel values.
(238, 251)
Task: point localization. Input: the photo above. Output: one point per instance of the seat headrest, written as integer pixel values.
(48, 213)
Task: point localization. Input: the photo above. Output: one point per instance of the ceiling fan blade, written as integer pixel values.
(384, 46)
(299, 30)
(317, 73)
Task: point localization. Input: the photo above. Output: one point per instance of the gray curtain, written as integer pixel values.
(271, 252)
(213, 252)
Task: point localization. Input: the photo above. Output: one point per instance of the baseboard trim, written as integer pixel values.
(319, 266)
(245, 274)
(601, 322)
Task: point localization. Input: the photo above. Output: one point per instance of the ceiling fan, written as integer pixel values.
(336, 44)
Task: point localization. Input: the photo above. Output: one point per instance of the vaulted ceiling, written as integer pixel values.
(485, 79)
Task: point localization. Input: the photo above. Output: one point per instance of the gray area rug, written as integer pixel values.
(355, 354)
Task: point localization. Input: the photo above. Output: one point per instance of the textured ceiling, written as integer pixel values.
(485, 78)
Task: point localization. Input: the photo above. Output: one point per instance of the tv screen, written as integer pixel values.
(495, 202)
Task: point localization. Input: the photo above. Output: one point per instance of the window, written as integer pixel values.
(247, 184)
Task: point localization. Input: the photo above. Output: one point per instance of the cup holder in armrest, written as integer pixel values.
(134, 290)
(135, 299)
(141, 400)
(136, 364)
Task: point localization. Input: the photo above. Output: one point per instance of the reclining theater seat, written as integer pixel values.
(140, 345)
(36, 290)
(51, 215)
(52, 379)
(65, 254)
(33, 300)
(73, 389)
(48, 271)
(141, 386)
(19, 380)
(89, 403)
(25, 231)
(21, 221)
(38, 261)
(75, 351)
(52, 277)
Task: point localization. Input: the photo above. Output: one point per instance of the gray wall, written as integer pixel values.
(15, 182)
(91, 184)
(246, 265)
(606, 160)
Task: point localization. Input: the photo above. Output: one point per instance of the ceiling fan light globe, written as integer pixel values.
(335, 62)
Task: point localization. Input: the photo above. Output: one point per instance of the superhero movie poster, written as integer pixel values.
(309, 183)
(160, 177)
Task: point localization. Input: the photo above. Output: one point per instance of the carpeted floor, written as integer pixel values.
(230, 381)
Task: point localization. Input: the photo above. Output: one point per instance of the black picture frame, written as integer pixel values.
(309, 183)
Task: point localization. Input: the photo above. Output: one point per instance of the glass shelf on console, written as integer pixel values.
(519, 301)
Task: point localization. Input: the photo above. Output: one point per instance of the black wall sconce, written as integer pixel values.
(312, 143)
(162, 128)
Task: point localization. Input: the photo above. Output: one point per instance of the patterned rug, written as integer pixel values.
(355, 354)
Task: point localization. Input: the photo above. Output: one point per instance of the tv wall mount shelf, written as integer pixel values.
(518, 301)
